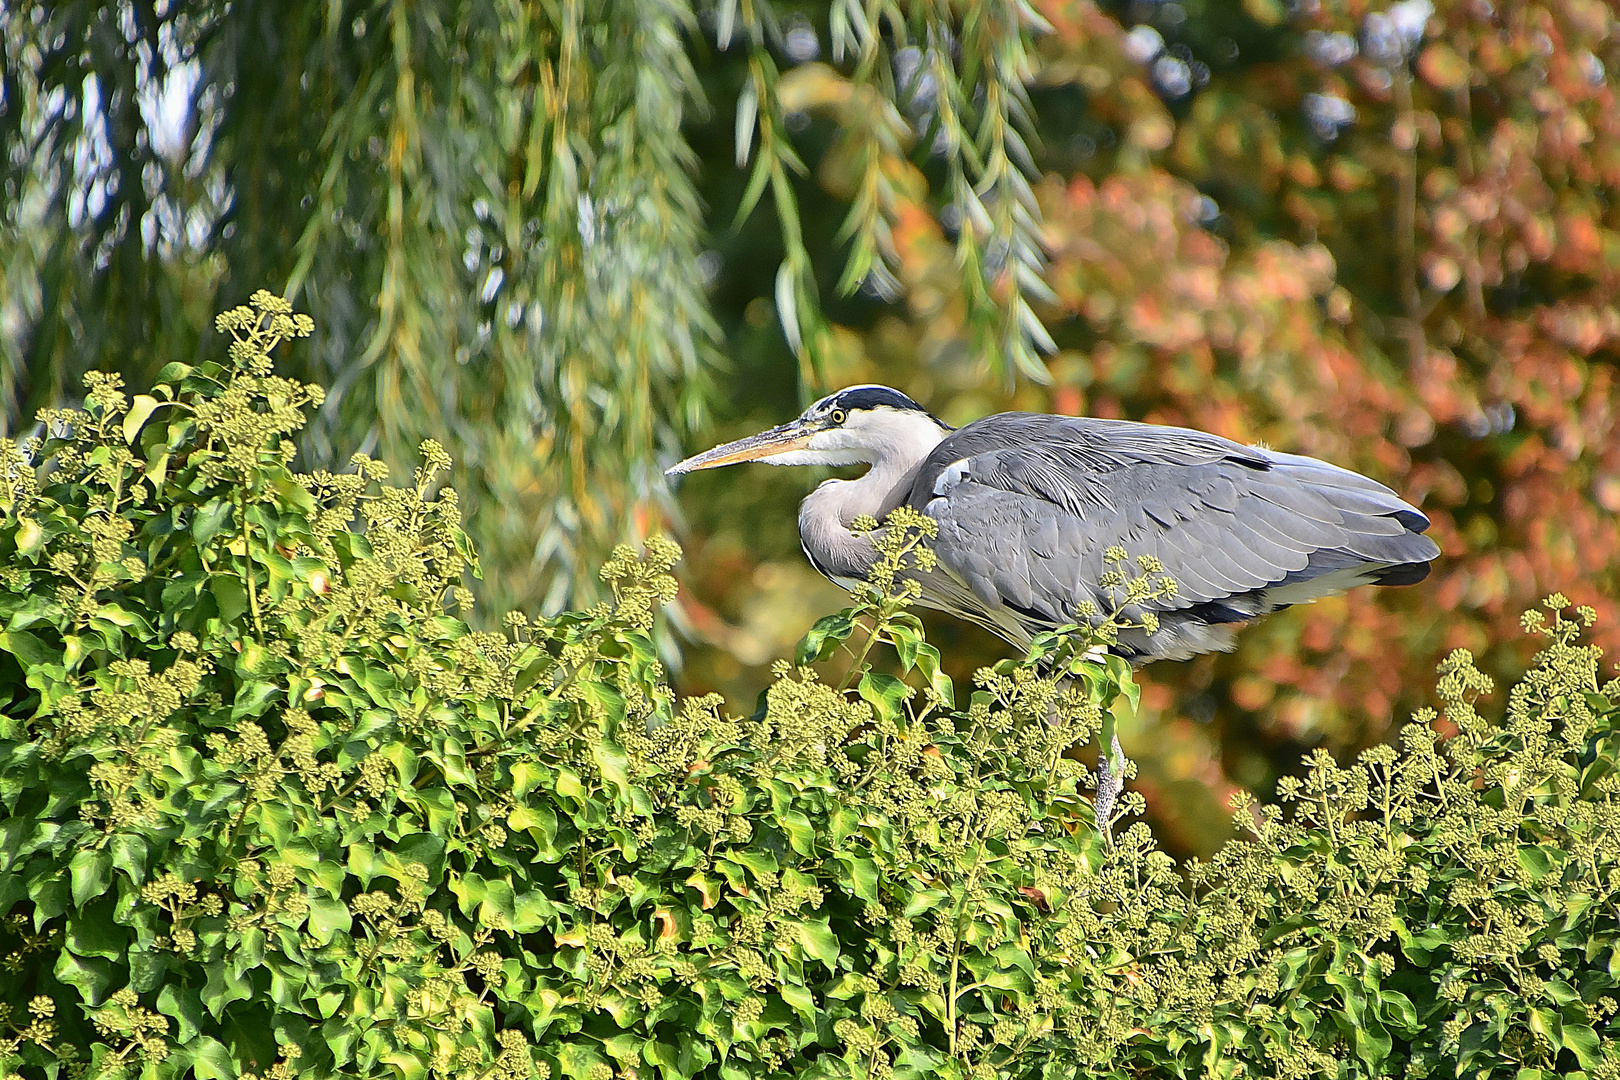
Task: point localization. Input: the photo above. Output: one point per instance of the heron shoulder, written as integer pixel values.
(1009, 444)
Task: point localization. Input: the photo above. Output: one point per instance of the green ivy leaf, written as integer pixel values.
(208, 520)
(89, 872)
(1583, 1041)
(141, 407)
(93, 933)
(129, 853)
(885, 693)
(92, 976)
(230, 595)
(328, 917)
(860, 876)
(576, 1059)
(224, 986)
(801, 833)
(29, 650)
(209, 1059)
(819, 942)
(928, 662)
(825, 636)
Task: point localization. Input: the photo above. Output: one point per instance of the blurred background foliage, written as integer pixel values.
(576, 241)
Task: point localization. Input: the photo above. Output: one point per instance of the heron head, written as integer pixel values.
(856, 425)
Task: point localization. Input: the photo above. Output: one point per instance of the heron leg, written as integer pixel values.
(1111, 763)
(1111, 768)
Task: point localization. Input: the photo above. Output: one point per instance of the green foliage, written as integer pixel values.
(495, 205)
(530, 238)
(271, 808)
(498, 206)
(1445, 908)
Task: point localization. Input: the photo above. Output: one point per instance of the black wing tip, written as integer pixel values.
(1222, 612)
(1413, 520)
(1405, 574)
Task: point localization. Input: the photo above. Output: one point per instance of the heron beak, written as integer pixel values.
(778, 440)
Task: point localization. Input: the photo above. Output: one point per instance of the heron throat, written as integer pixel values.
(826, 513)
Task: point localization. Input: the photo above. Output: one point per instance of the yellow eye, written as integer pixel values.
(838, 416)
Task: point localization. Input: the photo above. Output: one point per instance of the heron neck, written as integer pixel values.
(827, 512)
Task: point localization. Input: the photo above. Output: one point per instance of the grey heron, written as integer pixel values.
(1028, 506)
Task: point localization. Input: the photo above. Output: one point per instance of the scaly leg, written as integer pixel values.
(1112, 766)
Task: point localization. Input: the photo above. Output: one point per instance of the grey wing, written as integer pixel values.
(1028, 505)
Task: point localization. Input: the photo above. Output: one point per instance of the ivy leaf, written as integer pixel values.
(89, 872)
(907, 640)
(825, 636)
(1398, 1011)
(328, 917)
(801, 1000)
(209, 1059)
(800, 832)
(208, 519)
(141, 406)
(928, 662)
(860, 876)
(92, 976)
(1584, 1042)
(665, 1056)
(1536, 860)
(129, 854)
(225, 985)
(759, 863)
(231, 596)
(885, 693)
(577, 1059)
(1373, 1043)
(29, 650)
(147, 969)
(707, 890)
(1119, 672)
(498, 900)
(819, 942)
(253, 699)
(93, 932)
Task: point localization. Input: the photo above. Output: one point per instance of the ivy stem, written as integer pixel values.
(885, 610)
(247, 565)
(856, 665)
(956, 945)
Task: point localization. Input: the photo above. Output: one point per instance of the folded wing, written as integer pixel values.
(1028, 505)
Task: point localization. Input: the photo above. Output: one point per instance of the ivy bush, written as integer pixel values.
(272, 808)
